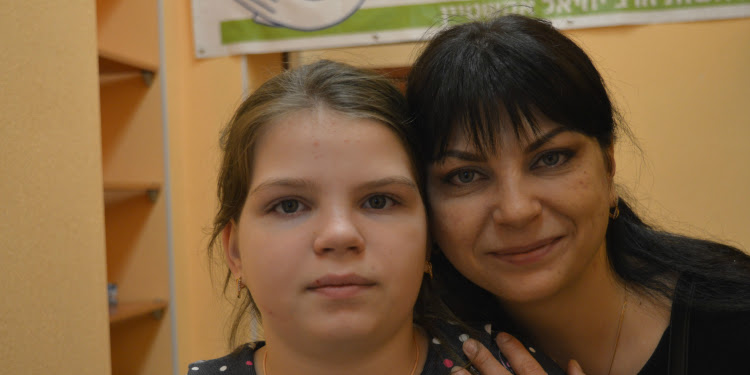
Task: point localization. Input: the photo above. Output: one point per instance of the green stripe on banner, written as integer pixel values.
(432, 15)
(362, 21)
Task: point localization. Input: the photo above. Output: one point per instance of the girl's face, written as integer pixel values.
(332, 239)
(528, 221)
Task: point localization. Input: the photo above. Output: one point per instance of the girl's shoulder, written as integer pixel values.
(445, 348)
(241, 361)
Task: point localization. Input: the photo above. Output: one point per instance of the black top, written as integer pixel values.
(244, 362)
(702, 342)
(443, 353)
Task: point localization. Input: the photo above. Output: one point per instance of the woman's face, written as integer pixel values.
(528, 221)
(332, 239)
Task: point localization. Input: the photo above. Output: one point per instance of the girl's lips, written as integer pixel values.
(341, 291)
(340, 286)
(526, 254)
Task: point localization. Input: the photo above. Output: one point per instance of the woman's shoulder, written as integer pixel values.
(241, 361)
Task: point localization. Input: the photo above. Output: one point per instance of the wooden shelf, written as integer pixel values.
(118, 191)
(113, 68)
(131, 310)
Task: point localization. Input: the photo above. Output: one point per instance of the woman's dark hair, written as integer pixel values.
(481, 77)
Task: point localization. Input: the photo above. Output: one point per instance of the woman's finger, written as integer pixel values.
(574, 368)
(520, 359)
(482, 360)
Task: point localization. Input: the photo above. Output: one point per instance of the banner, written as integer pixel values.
(233, 27)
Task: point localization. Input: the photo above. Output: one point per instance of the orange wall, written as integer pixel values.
(53, 315)
(682, 88)
(202, 95)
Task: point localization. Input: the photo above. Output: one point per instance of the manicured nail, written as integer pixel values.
(503, 337)
(470, 347)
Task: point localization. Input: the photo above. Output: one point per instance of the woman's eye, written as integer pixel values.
(463, 177)
(288, 206)
(378, 202)
(552, 159)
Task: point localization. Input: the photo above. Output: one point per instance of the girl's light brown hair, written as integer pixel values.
(347, 90)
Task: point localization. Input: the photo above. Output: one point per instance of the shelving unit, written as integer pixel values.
(134, 310)
(133, 171)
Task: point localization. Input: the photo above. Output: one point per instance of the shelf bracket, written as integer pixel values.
(148, 77)
(158, 314)
(152, 194)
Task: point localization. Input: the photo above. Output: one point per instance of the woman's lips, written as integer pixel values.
(526, 254)
(340, 286)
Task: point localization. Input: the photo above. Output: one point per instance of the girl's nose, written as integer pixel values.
(338, 233)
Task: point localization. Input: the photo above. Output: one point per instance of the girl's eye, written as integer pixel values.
(288, 206)
(378, 202)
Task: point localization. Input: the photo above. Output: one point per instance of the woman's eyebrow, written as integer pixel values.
(462, 155)
(544, 138)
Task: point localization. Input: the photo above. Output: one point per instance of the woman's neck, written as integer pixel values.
(393, 355)
(592, 320)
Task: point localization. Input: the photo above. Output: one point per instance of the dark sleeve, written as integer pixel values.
(240, 362)
(719, 343)
(546, 362)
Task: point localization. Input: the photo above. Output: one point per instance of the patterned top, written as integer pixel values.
(442, 355)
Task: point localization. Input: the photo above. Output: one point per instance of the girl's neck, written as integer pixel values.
(583, 322)
(394, 355)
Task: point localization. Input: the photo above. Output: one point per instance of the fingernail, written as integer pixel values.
(576, 364)
(503, 337)
(457, 370)
(470, 347)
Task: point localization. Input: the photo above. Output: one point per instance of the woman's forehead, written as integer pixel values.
(505, 134)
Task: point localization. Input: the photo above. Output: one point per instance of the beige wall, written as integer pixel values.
(682, 88)
(53, 318)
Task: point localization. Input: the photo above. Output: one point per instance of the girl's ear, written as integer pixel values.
(231, 248)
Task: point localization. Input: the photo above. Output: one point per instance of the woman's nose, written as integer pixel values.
(515, 205)
(338, 233)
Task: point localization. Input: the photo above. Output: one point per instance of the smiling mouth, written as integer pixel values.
(528, 254)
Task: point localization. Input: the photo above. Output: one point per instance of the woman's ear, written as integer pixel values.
(609, 155)
(231, 248)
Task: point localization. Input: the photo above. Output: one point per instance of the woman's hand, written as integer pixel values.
(520, 359)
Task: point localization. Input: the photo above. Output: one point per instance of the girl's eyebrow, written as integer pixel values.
(391, 180)
(300, 183)
(544, 138)
(283, 182)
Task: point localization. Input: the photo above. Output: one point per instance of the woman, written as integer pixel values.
(518, 133)
(322, 225)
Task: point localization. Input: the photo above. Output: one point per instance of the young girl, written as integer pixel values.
(323, 227)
